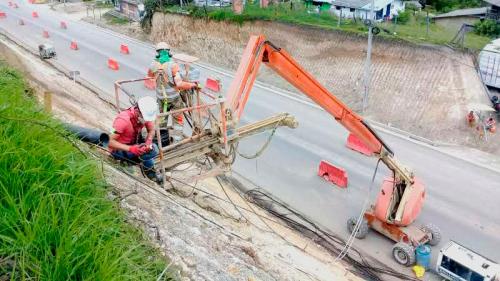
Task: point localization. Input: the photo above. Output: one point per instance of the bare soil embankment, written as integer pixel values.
(425, 90)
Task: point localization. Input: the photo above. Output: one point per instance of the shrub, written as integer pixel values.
(403, 17)
(487, 27)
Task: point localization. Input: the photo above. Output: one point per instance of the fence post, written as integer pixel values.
(47, 101)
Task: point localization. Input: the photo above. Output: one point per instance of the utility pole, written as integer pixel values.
(427, 21)
(367, 68)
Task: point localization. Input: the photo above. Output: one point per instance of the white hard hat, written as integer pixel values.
(162, 46)
(148, 108)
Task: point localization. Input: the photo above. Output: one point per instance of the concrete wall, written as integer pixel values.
(455, 23)
(412, 85)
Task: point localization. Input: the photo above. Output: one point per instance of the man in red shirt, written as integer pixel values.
(127, 143)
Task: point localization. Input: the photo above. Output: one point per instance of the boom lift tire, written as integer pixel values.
(435, 233)
(404, 253)
(363, 228)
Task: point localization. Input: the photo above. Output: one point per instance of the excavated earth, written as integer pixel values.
(205, 238)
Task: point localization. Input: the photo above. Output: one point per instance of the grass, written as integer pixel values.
(116, 20)
(413, 31)
(416, 31)
(55, 223)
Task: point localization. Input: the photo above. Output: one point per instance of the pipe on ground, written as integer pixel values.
(88, 135)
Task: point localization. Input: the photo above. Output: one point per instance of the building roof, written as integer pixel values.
(493, 2)
(464, 12)
(360, 4)
(351, 3)
(414, 2)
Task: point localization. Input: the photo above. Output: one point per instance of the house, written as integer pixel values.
(455, 19)
(132, 9)
(493, 11)
(384, 9)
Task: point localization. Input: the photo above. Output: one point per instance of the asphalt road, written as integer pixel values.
(462, 198)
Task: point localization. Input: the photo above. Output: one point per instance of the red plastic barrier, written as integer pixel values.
(150, 84)
(20, 22)
(34, 14)
(73, 45)
(63, 25)
(3, 15)
(124, 49)
(46, 34)
(356, 144)
(212, 85)
(113, 64)
(332, 174)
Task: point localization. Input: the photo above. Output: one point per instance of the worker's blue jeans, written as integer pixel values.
(146, 159)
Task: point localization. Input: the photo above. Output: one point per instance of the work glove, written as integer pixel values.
(138, 150)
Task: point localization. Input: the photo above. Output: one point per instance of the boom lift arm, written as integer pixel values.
(259, 50)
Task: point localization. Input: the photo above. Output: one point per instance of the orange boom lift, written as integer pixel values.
(401, 196)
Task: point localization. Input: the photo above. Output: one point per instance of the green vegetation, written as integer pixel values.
(444, 6)
(116, 20)
(487, 28)
(55, 222)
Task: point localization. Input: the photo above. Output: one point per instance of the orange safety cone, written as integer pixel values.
(113, 64)
(21, 22)
(63, 25)
(124, 49)
(73, 45)
(34, 14)
(45, 34)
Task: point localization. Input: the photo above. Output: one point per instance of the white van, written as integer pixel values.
(457, 263)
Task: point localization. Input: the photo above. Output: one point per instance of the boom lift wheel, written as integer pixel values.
(404, 253)
(434, 232)
(363, 228)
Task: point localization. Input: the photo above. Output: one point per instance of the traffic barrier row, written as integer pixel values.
(124, 49)
(113, 64)
(333, 174)
(73, 45)
(212, 85)
(356, 144)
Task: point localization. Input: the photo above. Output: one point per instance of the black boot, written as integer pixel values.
(152, 175)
